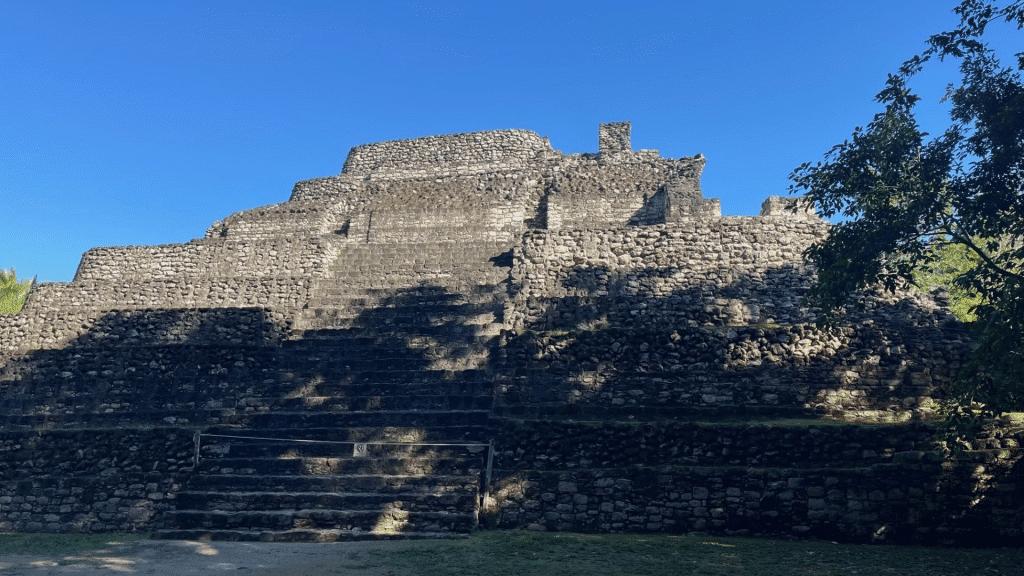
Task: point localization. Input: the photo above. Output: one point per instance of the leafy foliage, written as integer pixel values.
(952, 262)
(954, 203)
(12, 292)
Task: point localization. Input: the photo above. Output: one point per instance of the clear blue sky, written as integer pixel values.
(144, 122)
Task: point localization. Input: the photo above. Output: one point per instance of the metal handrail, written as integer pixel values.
(198, 435)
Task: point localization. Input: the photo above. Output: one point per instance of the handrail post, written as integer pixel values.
(485, 503)
(195, 441)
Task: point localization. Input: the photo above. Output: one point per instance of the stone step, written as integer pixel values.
(213, 447)
(411, 361)
(337, 297)
(275, 421)
(396, 287)
(401, 288)
(299, 535)
(363, 520)
(123, 417)
(469, 292)
(446, 331)
(407, 365)
(382, 347)
(315, 385)
(345, 364)
(371, 403)
(283, 420)
(474, 294)
(331, 339)
(563, 411)
(475, 264)
(446, 434)
(456, 466)
(328, 317)
(378, 375)
(423, 250)
(343, 308)
(434, 261)
(390, 484)
(487, 295)
(402, 257)
(454, 502)
(318, 397)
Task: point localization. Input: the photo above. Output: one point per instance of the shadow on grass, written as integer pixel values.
(569, 554)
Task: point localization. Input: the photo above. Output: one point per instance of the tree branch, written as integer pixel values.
(991, 264)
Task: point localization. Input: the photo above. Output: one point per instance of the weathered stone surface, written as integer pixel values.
(587, 325)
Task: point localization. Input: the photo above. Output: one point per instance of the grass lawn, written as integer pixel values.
(565, 554)
(520, 553)
(35, 544)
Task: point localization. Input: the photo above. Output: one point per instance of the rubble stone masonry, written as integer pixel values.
(653, 365)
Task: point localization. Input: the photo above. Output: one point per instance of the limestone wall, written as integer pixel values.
(191, 380)
(698, 272)
(629, 303)
(704, 316)
(456, 154)
(486, 207)
(846, 483)
(280, 257)
(267, 292)
(591, 193)
(613, 137)
(90, 480)
(329, 189)
(53, 329)
(267, 223)
(866, 372)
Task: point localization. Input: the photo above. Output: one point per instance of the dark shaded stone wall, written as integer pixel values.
(846, 483)
(91, 327)
(800, 370)
(698, 272)
(90, 480)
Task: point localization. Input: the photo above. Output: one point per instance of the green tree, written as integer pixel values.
(12, 292)
(952, 261)
(907, 201)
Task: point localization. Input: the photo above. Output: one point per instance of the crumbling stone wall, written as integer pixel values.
(847, 483)
(683, 197)
(692, 273)
(492, 185)
(456, 154)
(613, 138)
(789, 208)
(94, 480)
(588, 192)
(143, 384)
(268, 223)
(281, 257)
(52, 329)
(287, 293)
(489, 207)
(861, 372)
(706, 315)
(630, 304)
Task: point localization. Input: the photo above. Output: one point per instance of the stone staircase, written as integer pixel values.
(301, 489)
(374, 422)
(456, 285)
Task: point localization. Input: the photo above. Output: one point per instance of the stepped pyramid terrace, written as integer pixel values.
(477, 331)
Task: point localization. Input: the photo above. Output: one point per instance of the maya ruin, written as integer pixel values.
(478, 331)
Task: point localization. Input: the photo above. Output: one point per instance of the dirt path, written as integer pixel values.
(182, 558)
